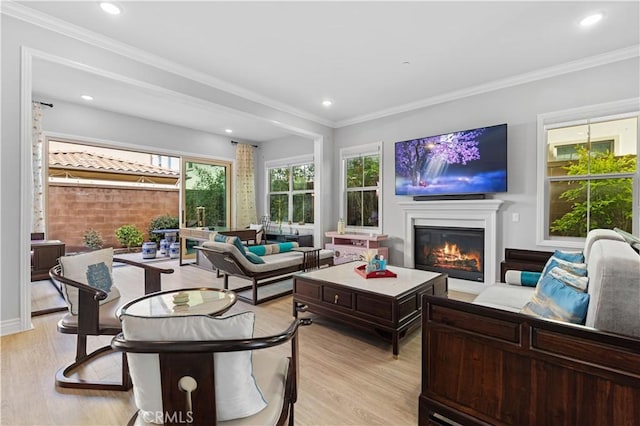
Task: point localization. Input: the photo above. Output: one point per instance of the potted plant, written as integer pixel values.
(92, 239)
(129, 236)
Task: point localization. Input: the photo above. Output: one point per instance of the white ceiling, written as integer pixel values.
(292, 55)
(55, 81)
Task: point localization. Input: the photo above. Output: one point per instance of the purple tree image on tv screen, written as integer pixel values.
(470, 161)
(427, 158)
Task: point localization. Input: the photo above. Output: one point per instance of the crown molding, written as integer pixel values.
(568, 67)
(23, 13)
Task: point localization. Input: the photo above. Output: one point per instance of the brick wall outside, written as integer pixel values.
(72, 209)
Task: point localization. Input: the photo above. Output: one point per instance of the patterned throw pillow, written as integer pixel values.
(92, 268)
(575, 281)
(575, 268)
(569, 256)
(558, 301)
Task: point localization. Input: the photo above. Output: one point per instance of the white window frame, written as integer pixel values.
(358, 151)
(290, 163)
(578, 116)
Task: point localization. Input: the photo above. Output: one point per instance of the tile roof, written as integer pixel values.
(91, 161)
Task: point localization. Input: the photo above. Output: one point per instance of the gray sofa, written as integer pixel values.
(486, 363)
(613, 268)
(228, 260)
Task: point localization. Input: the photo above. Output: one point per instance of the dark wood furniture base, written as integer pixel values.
(44, 256)
(388, 316)
(523, 260)
(486, 366)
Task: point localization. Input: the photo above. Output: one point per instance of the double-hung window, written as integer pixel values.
(361, 204)
(588, 173)
(290, 190)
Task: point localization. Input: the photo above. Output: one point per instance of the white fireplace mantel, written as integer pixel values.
(455, 213)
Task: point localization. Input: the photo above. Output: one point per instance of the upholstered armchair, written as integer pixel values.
(209, 370)
(86, 282)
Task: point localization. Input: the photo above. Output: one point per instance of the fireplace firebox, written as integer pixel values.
(458, 252)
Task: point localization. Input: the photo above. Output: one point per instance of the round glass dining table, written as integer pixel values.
(190, 301)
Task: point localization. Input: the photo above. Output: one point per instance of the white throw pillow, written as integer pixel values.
(237, 393)
(93, 268)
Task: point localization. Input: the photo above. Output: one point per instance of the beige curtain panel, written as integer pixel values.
(246, 192)
(37, 154)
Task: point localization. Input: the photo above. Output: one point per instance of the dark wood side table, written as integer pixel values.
(44, 256)
(310, 257)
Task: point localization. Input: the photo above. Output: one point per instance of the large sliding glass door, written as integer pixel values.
(205, 197)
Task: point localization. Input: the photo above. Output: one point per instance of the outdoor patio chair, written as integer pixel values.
(86, 283)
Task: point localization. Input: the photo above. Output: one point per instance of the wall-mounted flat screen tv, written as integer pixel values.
(465, 162)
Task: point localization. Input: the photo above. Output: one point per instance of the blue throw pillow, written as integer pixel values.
(555, 300)
(253, 258)
(569, 256)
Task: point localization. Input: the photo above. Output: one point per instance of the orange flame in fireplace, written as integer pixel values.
(449, 256)
(452, 250)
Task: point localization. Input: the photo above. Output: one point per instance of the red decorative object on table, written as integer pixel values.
(375, 274)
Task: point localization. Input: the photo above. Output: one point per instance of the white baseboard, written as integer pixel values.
(12, 326)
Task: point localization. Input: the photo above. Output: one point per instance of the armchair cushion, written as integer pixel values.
(237, 394)
(94, 269)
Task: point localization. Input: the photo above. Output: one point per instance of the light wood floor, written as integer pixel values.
(346, 377)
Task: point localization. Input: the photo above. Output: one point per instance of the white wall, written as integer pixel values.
(126, 131)
(517, 106)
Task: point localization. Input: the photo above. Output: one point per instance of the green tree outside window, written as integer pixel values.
(595, 202)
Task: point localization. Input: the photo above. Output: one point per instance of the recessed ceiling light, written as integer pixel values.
(591, 20)
(228, 130)
(327, 103)
(110, 8)
(87, 97)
